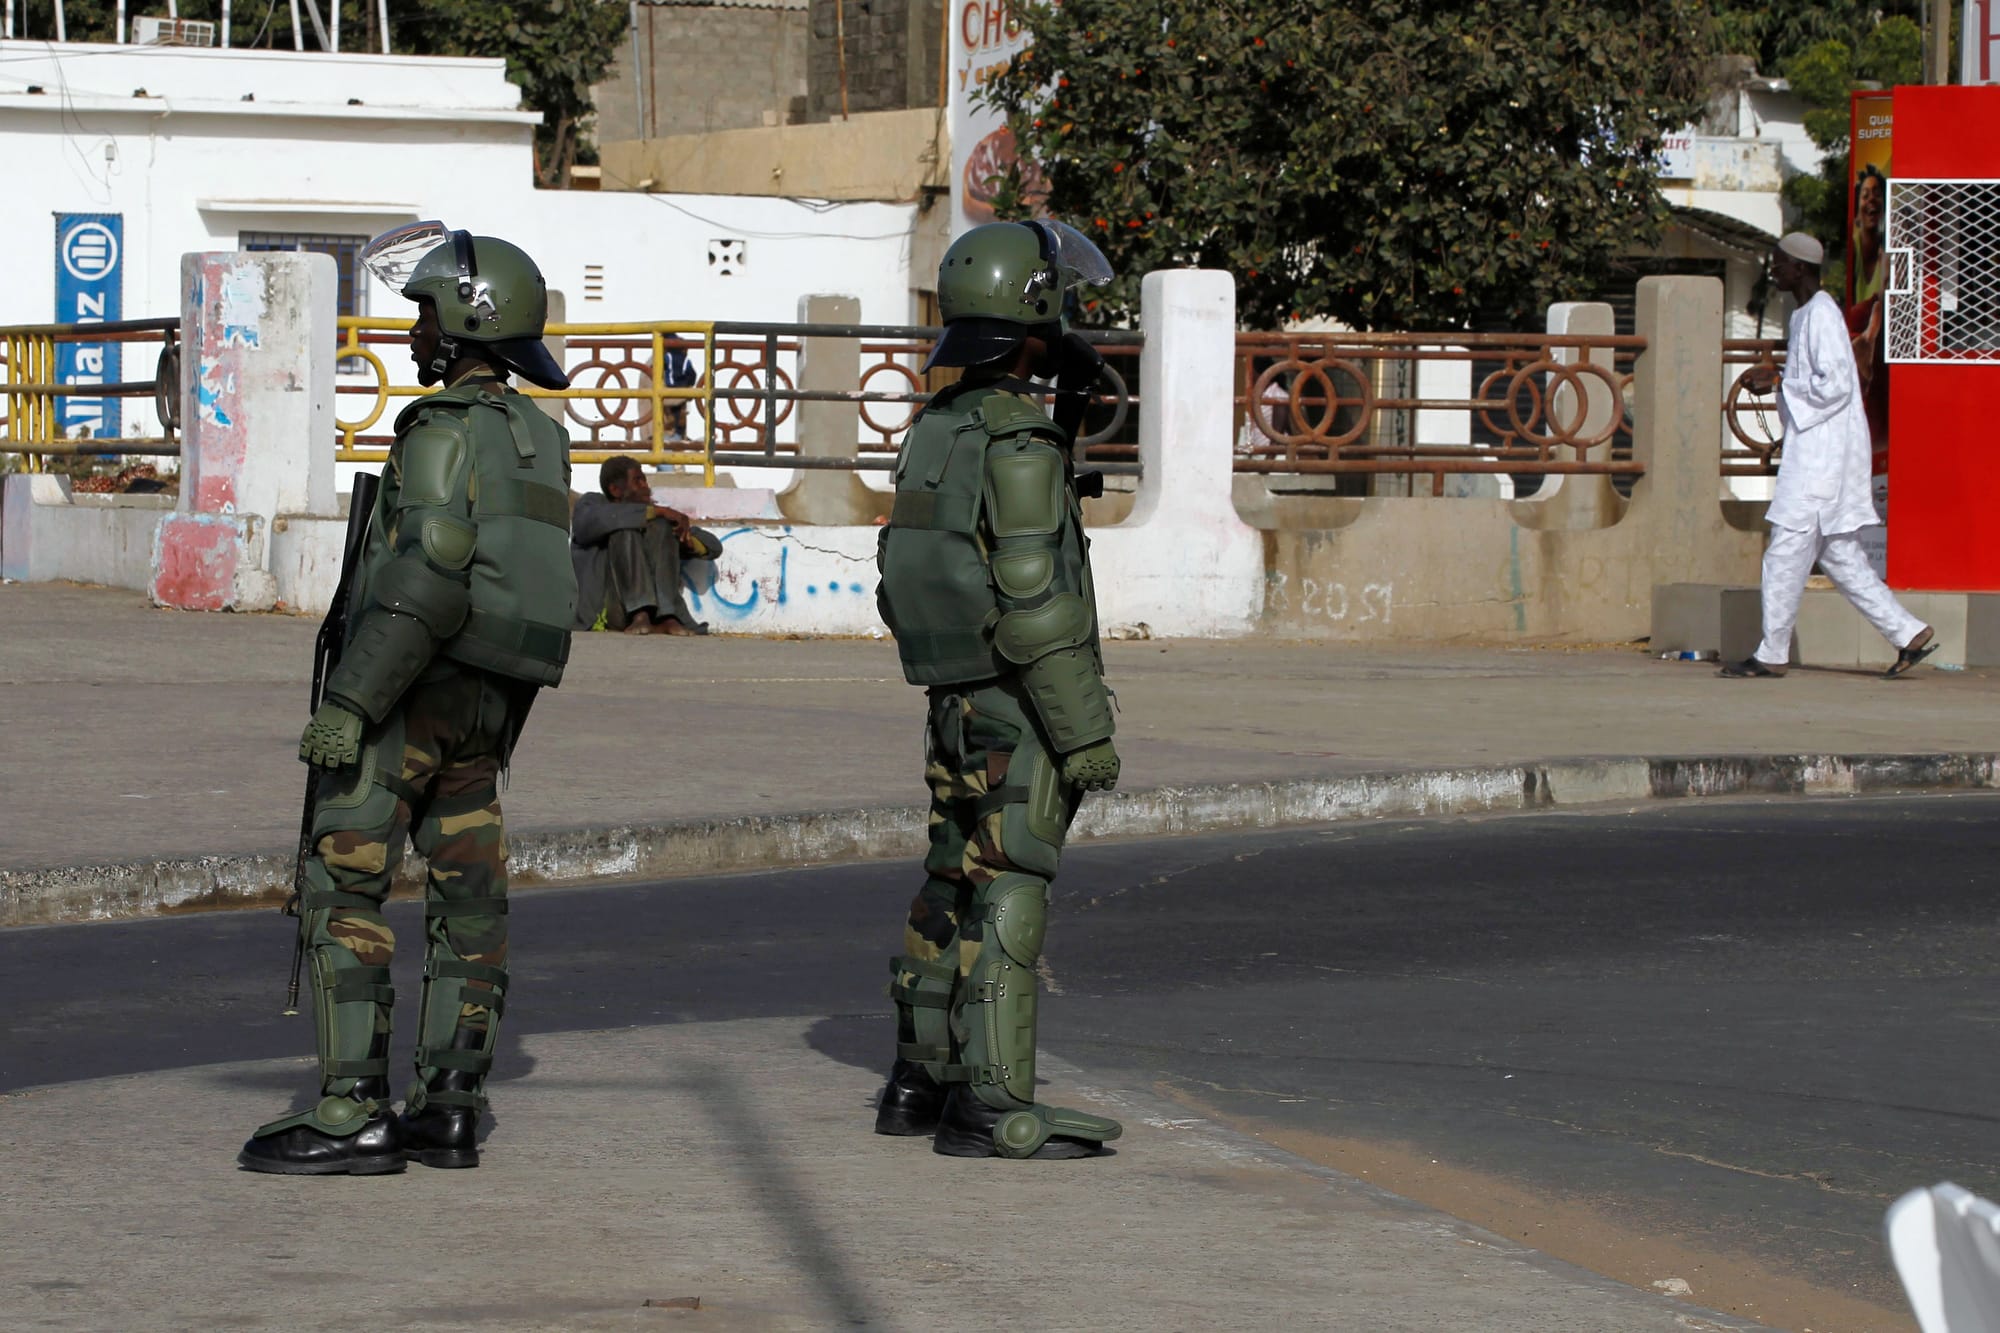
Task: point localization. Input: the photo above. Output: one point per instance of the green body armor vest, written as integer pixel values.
(523, 587)
(937, 594)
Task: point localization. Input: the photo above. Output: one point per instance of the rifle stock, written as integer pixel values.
(326, 655)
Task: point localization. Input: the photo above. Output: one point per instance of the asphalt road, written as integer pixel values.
(1736, 1031)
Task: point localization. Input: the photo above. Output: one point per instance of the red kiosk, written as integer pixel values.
(1941, 318)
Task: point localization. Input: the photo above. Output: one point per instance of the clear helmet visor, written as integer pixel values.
(394, 255)
(1073, 252)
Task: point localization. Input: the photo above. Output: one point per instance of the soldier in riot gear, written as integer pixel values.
(464, 600)
(986, 584)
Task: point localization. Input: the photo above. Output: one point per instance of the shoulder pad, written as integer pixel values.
(433, 458)
(1008, 414)
(461, 397)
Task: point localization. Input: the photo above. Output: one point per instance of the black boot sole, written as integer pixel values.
(383, 1165)
(444, 1159)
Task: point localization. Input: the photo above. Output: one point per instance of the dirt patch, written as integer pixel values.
(1605, 1239)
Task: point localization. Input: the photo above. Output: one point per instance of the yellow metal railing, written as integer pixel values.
(655, 391)
(31, 363)
(33, 397)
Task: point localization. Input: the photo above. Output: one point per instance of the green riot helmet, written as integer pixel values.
(485, 291)
(1000, 282)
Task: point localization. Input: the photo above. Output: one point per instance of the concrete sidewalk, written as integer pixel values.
(148, 756)
(631, 1174)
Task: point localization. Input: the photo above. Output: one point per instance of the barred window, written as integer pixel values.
(346, 251)
(1943, 293)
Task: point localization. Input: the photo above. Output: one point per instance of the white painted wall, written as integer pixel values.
(192, 165)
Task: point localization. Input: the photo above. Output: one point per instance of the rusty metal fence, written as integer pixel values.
(1310, 403)
(740, 412)
(31, 392)
(1753, 437)
(1434, 404)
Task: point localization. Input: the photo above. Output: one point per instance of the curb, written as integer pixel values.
(68, 894)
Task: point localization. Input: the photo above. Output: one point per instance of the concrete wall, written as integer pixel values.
(885, 155)
(892, 55)
(1185, 559)
(53, 534)
(1384, 569)
(707, 67)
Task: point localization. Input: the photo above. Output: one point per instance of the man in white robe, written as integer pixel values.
(1823, 497)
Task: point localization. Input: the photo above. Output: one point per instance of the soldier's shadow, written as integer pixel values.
(864, 1041)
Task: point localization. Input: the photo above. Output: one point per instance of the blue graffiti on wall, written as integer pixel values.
(698, 577)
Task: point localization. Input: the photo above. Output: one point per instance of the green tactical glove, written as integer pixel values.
(333, 738)
(1093, 768)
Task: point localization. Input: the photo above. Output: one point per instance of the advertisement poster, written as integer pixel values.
(1867, 262)
(89, 290)
(985, 37)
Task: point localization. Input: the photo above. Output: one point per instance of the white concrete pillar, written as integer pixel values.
(830, 429)
(1577, 501)
(257, 333)
(1677, 423)
(1184, 562)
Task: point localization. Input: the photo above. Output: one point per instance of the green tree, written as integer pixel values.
(555, 49)
(1389, 163)
(1823, 75)
(1773, 31)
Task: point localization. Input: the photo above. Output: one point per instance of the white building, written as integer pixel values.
(203, 149)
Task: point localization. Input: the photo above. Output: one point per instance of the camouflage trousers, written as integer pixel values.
(999, 814)
(429, 772)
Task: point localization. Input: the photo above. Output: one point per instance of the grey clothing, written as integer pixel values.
(626, 560)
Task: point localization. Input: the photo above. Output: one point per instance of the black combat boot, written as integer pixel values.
(911, 1101)
(444, 1131)
(302, 1146)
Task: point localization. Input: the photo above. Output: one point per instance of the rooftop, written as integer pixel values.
(87, 76)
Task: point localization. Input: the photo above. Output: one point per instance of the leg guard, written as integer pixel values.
(995, 1018)
(465, 973)
(923, 995)
(460, 1025)
(357, 840)
(994, 1112)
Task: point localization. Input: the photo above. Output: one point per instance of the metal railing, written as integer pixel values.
(610, 396)
(1312, 403)
(1753, 436)
(742, 406)
(1330, 403)
(32, 390)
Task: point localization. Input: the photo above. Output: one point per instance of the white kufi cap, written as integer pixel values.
(1803, 248)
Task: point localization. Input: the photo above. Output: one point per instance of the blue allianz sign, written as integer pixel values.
(89, 290)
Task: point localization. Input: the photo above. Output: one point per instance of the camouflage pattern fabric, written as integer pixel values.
(977, 738)
(430, 772)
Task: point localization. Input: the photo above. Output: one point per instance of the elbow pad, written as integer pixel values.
(412, 585)
(414, 606)
(386, 653)
(1061, 622)
(1069, 698)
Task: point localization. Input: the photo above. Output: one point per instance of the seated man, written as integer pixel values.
(628, 551)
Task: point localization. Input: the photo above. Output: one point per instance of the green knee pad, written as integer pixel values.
(923, 993)
(995, 1018)
(1036, 810)
(440, 1045)
(1022, 1133)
